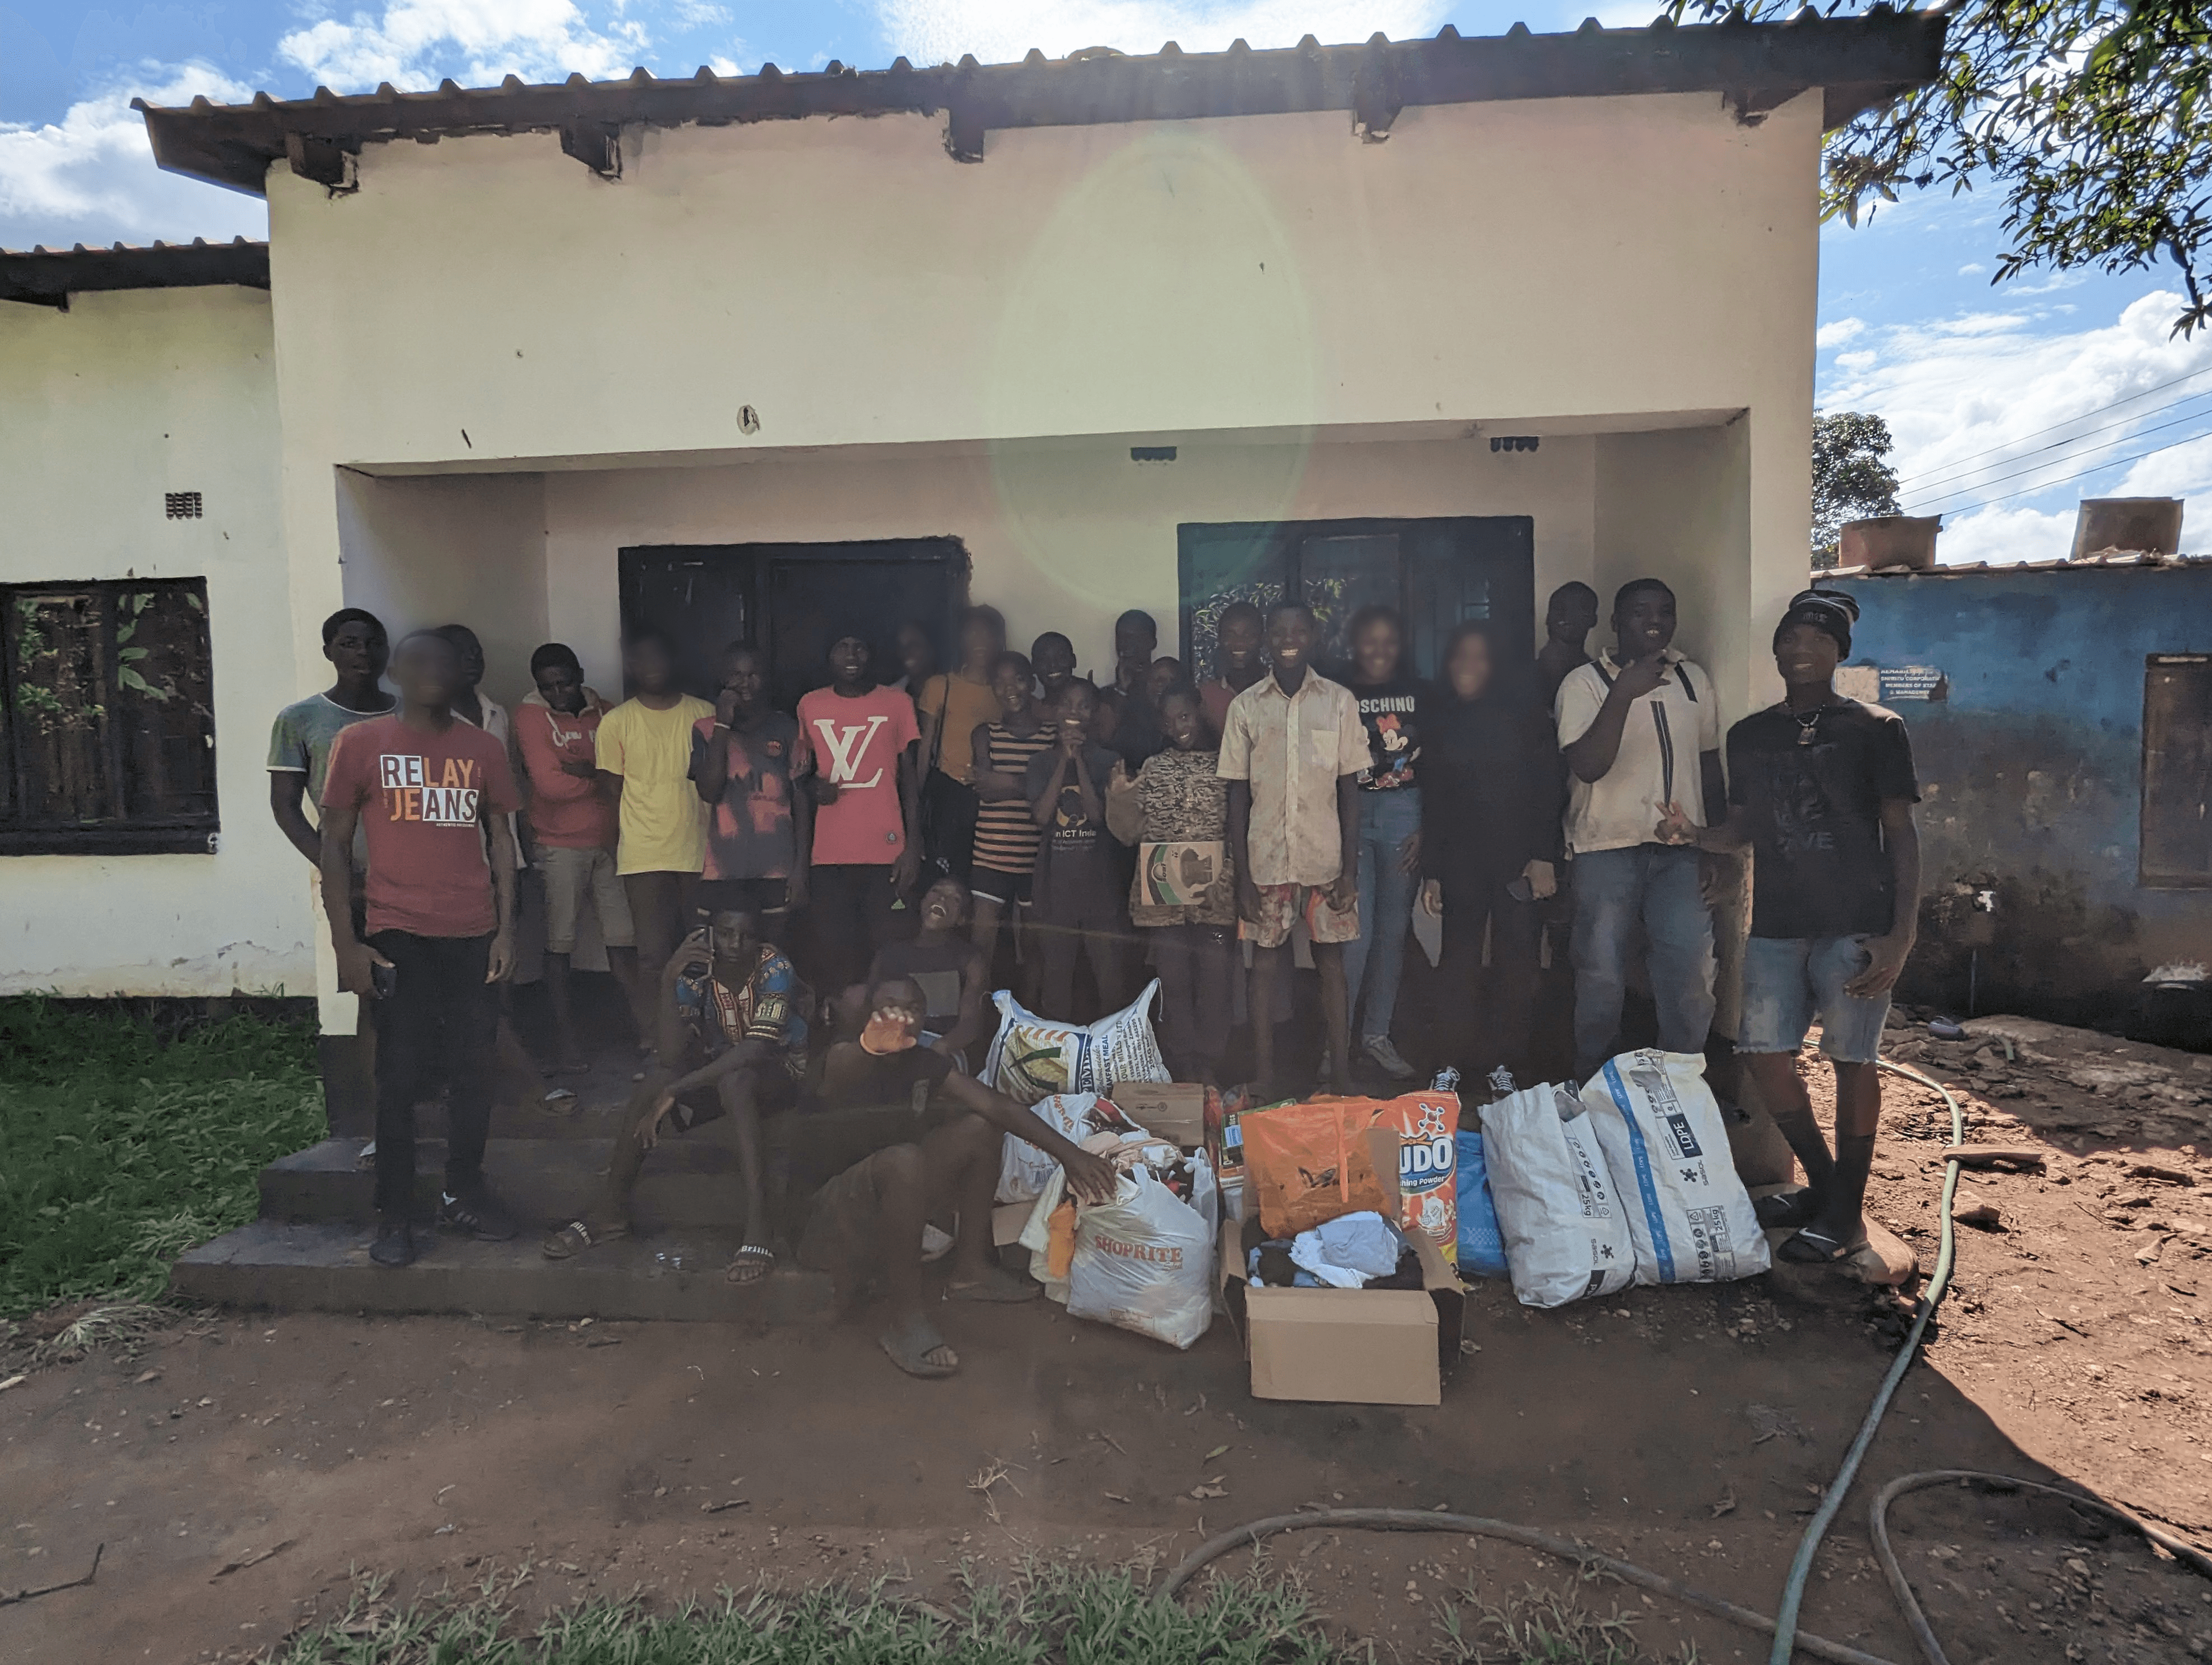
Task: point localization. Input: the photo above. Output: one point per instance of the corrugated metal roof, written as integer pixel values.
(47, 277)
(2106, 561)
(1858, 61)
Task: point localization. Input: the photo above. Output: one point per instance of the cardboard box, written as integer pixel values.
(1167, 1109)
(1178, 875)
(1007, 1220)
(1346, 1346)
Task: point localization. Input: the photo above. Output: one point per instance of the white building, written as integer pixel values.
(738, 354)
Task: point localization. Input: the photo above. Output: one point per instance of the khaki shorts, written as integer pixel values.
(1282, 906)
(572, 877)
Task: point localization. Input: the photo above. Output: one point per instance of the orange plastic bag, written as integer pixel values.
(1311, 1163)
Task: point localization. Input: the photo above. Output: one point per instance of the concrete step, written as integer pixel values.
(325, 1266)
(687, 1182)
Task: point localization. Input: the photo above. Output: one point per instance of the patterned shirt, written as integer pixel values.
(1293, 748)
(766, 1008)
(1177, 798)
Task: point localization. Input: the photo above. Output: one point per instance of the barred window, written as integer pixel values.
(2175, 852)
(107, 719)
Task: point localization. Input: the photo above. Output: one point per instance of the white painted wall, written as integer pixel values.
(102, 409)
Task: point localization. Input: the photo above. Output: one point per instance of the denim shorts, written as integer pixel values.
(1788, 982)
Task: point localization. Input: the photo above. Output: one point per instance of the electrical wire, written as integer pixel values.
(1925, 492)
(2096, 411)
(2095, 468)
(1942, 498)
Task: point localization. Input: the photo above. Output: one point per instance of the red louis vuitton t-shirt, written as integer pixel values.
(421, 799)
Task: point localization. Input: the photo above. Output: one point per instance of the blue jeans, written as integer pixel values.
(1387, 820)
(1613, 890)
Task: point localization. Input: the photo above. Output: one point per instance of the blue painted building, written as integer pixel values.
(2061, 716)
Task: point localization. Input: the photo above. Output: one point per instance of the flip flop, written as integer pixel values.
(909, 1344)
(573, 1238)
(751, 1265)
(1813, 1247)
(997, 1286)
(557, 1095)
(1790, 1211)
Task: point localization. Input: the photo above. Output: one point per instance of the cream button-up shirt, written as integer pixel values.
(1293, 749)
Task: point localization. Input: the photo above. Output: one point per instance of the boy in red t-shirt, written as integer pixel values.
(857, 746)
(433, 795)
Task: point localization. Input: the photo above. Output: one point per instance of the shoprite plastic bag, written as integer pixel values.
(1033, 1058)
(1564, 1234)
(1144, 1261)
(1023, 1167)
(1481, 1245)
(1663, 1139)
(1304, 1164)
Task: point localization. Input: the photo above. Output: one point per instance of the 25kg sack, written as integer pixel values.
(1564, 1235)
(1664, 1140)
(1032, 1057)
(1481, 1245)
(1428, 1164)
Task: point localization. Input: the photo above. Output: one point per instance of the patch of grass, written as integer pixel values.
(1541, 1625)
(120, 1147)
(1080, 1616)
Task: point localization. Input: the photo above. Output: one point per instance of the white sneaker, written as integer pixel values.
(1388, 1058)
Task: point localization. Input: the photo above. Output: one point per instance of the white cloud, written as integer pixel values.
(1837, 333)
(414, 42)
(2005, 534)
(1972, 269)
(1001, 31)
(1991, 407)
(90, 177)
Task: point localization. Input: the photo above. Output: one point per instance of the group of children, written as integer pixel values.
(863, 864)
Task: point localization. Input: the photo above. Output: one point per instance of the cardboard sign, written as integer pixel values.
(1177, 874)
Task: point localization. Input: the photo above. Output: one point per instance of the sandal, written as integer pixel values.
(558, 1095)
(751, 1265)
(573, 1238)
(996, 1285)
(1813, 1247)
(1787, 1211)
(909, 1344)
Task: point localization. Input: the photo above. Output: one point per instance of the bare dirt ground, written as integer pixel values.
(1689, 1429)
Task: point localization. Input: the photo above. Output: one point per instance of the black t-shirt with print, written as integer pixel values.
(1077, 852)
(1390, 712)
(1814, 784)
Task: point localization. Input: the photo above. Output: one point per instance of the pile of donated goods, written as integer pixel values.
(1569, 1192)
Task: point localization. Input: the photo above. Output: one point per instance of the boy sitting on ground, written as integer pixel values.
(732, 1044)
(910, 1163)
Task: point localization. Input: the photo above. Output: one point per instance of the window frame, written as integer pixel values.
(2148, 876)
(142, 835)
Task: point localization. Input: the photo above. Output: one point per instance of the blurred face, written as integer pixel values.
(1804, 653)
(916, 657)
(1010, 681)
(1182, 721)
(649, 667)
(1135, 641)
(1054, 658)
(428, 669)
(944, 905)
(1645, 623)
(1571, 616)
(1075, 707)
(1238, 643)
(734, 936)
(562, 687)
(1469, 668)
(746, 677)
(1376, 650)
(470, 652)
(1164, 675)
(848, 659)
(1291, 635)
(980, 642)
(357, 649)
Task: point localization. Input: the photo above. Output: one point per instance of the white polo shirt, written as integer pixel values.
(1662, 742)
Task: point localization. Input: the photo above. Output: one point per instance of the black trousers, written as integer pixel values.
(441, 986)
(1488, 1009)
(849, 918)
(1083, 918)
(1195, 963)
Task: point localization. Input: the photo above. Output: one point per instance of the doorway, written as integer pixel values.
(787, 599)
(1439, 572)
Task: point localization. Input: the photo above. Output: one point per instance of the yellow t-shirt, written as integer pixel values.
(664, 824)
(973, 702)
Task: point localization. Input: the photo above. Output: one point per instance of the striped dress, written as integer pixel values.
(1005, 833)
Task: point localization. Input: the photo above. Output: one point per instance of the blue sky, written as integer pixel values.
(2008, 404)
